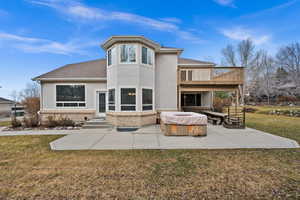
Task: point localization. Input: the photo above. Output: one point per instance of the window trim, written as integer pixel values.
(114, 47)
(136, 54)
(153, 103)
(120, 99)
(187, 71)
(109, 51)
(70, 107)
(108, 104)
(148, 50)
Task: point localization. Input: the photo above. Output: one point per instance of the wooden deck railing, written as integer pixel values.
(216, 75)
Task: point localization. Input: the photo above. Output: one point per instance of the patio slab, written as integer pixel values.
(151, 137)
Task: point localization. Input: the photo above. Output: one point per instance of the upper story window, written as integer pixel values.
(128, 53)
(109, 58)
(70, 95)
(111, 54)
(147, 56)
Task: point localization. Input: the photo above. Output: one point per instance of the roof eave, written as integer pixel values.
(69, 79)
(114, 39)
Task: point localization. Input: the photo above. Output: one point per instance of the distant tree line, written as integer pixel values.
(268, 78)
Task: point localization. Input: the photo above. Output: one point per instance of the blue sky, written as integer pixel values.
(37, 36)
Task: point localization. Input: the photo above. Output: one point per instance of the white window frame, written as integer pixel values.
(113, 52)
(136, 55)
(109, 51)
(108, 104)
(148, 51)
(70, 107)
(149, 88)
(120, 99)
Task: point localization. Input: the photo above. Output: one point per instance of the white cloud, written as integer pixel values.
(81, 12)
(239, 33)
(172, 20)
(228, 3)
(38, 45)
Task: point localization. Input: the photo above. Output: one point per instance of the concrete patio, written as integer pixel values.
(151, 138)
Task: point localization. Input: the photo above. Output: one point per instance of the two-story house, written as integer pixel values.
(138, 79)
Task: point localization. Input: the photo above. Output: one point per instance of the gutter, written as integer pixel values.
(69, 79)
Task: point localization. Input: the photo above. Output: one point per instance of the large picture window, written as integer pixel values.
(128, 53)
(147, 99)
(111, 99)
(128, 99)
(191, 99)
(70, 95)
(147, 56)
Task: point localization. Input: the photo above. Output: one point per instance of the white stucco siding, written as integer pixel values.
(147, 74)
(111, 77)
(128, 75)
(49, 94)
(166, 81)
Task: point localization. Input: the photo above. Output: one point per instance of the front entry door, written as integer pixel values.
(101, 103)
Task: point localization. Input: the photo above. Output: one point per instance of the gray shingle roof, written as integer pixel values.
(186, 61)
(89, 69)
(95, 69)
(3, 100)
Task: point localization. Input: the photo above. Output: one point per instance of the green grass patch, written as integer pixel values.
(279, 125)
(6, 123)
(30, 170)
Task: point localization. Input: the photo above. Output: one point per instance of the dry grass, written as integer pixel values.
(29, 170)
(279, 125)
(5, 123)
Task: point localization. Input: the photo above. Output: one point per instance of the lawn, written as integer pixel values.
(279, 125)
(29, 170)
(5, 123)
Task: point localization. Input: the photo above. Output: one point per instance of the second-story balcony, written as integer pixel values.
(211, 76)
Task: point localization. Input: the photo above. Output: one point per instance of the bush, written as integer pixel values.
(30, 122)
(65, 121)
(15, 123)
(51, 122)
(31, 105)
(220, 103)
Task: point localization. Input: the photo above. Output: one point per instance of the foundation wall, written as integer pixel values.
(77, 116)
(131, 119)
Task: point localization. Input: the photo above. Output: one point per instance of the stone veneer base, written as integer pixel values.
(75, 115)
(131, 119)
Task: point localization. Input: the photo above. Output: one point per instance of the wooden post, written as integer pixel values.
(179, 99)
(237, 98)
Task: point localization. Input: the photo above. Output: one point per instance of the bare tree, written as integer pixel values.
(32, 90)
(266, 69)
(15, 96)
(229, 55)
(243, 55)
(288, 58)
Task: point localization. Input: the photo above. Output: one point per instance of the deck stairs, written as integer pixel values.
(235, 117)
(96, 123)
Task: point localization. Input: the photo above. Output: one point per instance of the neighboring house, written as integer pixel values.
(7, 108)
(138, 79)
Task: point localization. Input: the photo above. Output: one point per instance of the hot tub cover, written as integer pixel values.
(183, 118)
